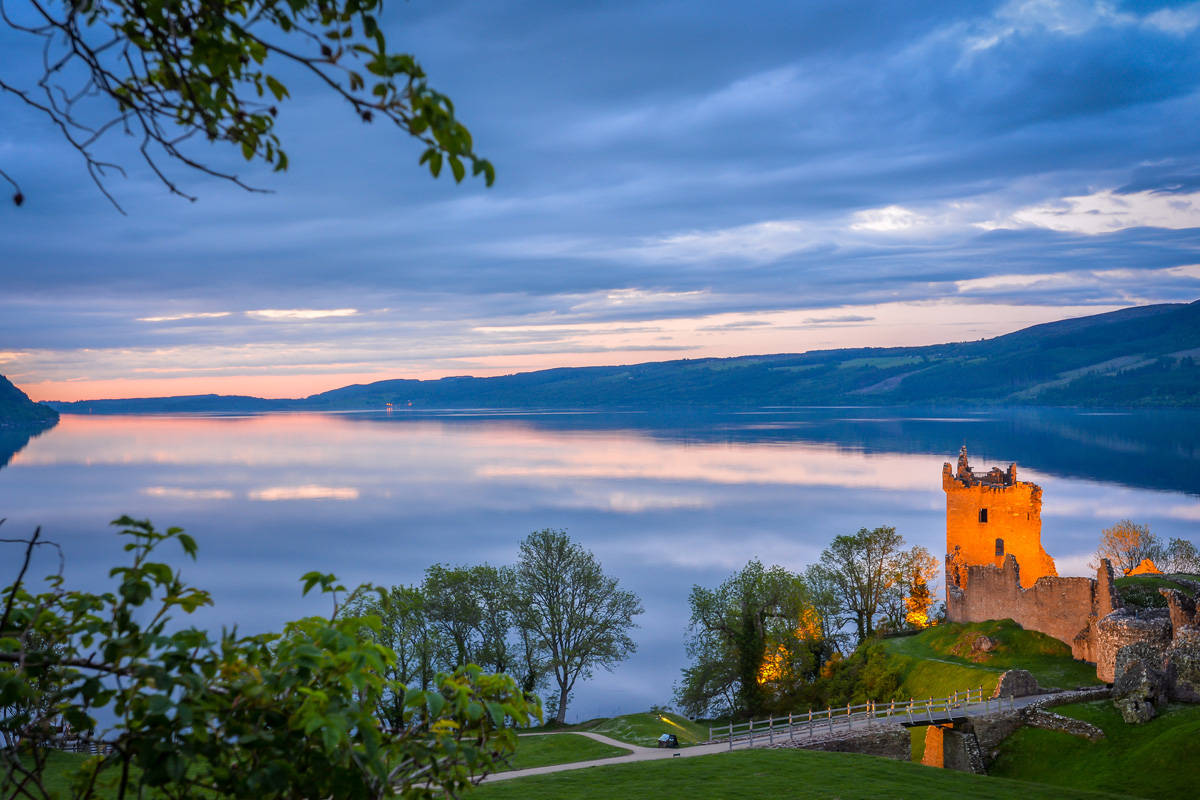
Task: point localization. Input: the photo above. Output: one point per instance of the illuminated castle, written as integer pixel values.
(991, 516)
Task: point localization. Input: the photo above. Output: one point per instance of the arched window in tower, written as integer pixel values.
(999, 547)
(983, 515)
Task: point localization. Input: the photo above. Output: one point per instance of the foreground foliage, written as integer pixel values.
(166, 71)
(768, 775)
(293, 715)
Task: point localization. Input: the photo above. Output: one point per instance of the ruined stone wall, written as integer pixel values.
(980, 510)
(1058, 607)
(887, 740)
(947, 748)
(1123, 628)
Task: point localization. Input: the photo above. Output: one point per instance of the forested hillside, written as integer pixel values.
(1138, 357)
(16, 409)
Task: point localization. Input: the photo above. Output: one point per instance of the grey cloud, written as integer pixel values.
(617, 124)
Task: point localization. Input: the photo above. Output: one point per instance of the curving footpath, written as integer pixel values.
(637, 753)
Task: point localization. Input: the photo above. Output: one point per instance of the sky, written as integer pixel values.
(672, 180)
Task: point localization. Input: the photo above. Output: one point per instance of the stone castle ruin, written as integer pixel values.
(996, 568)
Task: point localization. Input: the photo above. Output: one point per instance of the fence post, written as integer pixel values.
(730, 734)
(771, 729)
(791, 730)
(751, 734)
(830, 712)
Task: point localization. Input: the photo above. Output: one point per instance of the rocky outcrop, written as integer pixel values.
(1181, 608)
(1181, 666)
(1122, 628)
(1016, 683)
(990, 730)
(1140, 685)
(1049, 721)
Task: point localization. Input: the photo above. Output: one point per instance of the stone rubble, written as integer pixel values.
(1016, 683)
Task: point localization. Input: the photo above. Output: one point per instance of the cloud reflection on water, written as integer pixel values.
(379, 500)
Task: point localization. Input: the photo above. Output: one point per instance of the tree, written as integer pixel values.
(578, 613)
(1127, 544)
(907, 601)
(169, 71)
(1181, 556)
(862, 568)
(750, 640)
(404, 629)
(453, 612)
(291, 715)
(472, 610)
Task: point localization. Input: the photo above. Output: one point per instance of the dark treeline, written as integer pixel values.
(547, 620)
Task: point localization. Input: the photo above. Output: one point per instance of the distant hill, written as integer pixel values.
(1137, 357)
(17, 410)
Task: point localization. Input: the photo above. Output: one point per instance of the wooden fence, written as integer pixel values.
(854, 717)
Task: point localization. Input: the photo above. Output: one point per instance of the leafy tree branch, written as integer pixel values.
(169, 71)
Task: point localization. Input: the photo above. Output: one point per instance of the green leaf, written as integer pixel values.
(278, 89)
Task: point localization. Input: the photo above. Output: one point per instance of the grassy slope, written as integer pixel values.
(562, 748)
(1160, 759)
(644, 729)
(1141, 591)
(933, 669)
(772, 774)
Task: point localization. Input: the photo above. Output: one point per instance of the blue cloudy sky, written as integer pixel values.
(673, 179)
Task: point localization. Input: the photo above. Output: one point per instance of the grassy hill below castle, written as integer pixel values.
(944, 659)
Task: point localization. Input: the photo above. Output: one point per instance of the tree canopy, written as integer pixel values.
(751, 641)
(171, 71)
(579, 615)
(1127, 544)
(287, 715)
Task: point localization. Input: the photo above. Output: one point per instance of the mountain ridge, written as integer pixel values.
(1143, 356)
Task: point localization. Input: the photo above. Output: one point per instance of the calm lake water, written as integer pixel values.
(666, 500)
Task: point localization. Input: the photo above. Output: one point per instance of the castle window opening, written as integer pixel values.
(999, 547)
(983, 515)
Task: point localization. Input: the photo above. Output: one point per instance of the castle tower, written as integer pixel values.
(990, 516)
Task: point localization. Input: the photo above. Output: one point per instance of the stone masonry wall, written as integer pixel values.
(886, 741)
(1013, 516)
(1058, 607)
(1123, 628)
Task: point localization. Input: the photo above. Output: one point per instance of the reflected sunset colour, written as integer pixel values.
(665, 500)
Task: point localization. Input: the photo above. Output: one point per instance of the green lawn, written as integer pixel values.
(560, 748)
(1141, 591)
(644, 729)
(1160, 759)
(58, 764)
(770, 775)
(932, 668)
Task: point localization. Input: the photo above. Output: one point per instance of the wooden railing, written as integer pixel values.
(853, 717)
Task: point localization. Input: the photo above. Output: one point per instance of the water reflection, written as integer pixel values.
(665, 500)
